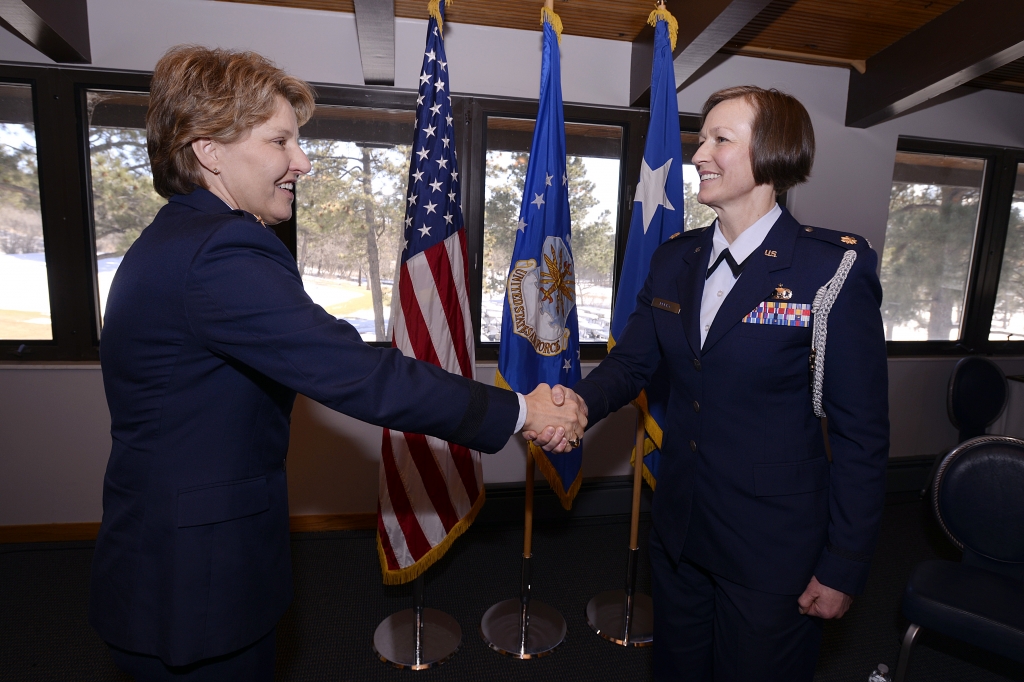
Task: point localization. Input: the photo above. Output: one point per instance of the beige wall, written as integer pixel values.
(54, 442)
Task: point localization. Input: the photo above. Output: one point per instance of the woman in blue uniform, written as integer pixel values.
(757, 534)
(208, 336)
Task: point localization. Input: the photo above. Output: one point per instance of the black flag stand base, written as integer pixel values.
(417, 638)
(626, 616)
(524, 628)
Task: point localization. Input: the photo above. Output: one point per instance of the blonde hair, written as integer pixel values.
(199, 92)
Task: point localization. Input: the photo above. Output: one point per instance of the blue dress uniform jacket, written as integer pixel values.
(207, 338)
(745, 488)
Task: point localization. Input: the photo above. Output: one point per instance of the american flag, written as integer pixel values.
(430, 490)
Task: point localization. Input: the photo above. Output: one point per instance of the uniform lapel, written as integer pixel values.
(755, 284)
(691, 286)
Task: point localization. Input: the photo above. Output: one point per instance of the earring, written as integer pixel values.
(216, 171)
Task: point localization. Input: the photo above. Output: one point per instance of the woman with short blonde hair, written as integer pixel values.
(218, 94)
(208, 336)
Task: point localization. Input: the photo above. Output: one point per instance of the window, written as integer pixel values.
(697, 214)
(350, 211)
(123, 199)
(954, 250)
(1008, 317)
(24, 289)
(934, 208)
(76, 191)
(593, 166)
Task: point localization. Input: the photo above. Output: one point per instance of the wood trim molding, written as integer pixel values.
(49, 532)
(705, 26)
(69, 532)
(308, 523)
(60, 30)
(968, 41)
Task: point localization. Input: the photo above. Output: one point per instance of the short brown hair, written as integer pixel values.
(197, 92)
(782, 144)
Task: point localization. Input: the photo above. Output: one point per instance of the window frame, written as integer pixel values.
(59, 107)
(477, 110)
(65, 205)
(986, 254)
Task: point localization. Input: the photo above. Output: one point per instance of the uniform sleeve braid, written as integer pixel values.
(821, 307)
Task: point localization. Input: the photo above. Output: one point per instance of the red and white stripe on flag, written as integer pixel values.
(430, 490)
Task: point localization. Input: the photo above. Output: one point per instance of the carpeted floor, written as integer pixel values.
(339, 599)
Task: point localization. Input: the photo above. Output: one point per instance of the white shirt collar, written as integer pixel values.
(749, 240)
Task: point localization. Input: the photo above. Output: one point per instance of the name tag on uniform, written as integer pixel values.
(781, 313)
(665, 305)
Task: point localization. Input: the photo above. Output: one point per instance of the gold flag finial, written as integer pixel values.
(666, 16)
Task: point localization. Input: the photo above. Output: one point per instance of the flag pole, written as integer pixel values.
(524, 628)
(626, 616)
(418, 638)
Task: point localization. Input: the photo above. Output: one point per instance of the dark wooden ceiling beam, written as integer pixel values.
(375, 28)
(959, 45)
(705, 26)
(57, 28)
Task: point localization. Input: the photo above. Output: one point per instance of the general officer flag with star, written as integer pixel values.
(657, 216)
(539, 328)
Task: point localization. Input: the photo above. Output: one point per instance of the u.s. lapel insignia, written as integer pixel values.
(259, 220)
(781, 293)
(771, 253)
(847, 239)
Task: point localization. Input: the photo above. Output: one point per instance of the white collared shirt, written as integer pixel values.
(721, 282)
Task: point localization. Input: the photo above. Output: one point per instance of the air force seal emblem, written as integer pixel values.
(542, 296)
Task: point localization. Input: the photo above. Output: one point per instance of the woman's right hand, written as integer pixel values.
(554, 417)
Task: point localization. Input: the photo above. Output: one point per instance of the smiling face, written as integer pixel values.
(258, 172)
(723, 158)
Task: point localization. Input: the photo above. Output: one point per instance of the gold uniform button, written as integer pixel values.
(693, 445)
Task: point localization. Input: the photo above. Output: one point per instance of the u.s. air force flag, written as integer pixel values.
(657, 215)
(539, 329)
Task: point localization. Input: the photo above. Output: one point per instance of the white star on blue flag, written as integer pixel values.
(434, 167)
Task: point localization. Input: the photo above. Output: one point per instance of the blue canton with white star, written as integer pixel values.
(433, 206)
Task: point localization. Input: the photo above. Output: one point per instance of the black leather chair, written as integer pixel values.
(978, 499)
(977, 395)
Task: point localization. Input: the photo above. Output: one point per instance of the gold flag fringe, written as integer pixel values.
(649, 447)
(653, 427)
(409, 573)
(565, 497)
(553, 19)
(544, 464)
(434, 10)
(666, 16)
(655, 436)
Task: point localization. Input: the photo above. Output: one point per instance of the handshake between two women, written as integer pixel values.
(555, 418)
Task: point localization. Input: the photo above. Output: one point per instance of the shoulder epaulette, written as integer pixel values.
(688, 233)
(845, 240)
